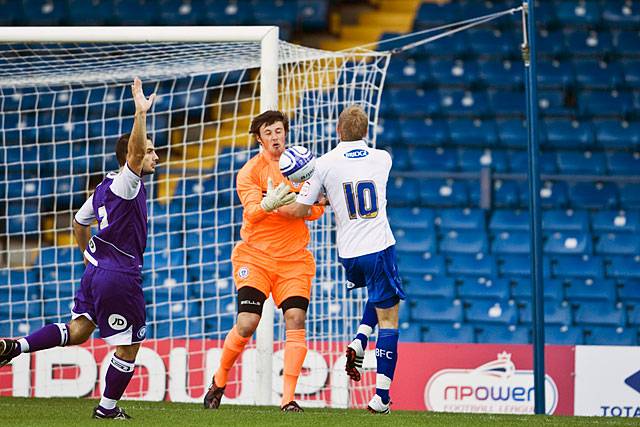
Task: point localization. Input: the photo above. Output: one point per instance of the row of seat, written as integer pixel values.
(289, 14)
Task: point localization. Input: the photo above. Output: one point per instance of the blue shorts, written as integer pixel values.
(379, 273)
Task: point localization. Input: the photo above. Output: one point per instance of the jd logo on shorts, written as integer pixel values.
(117, 322)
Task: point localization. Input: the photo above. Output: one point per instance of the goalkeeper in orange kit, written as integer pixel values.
(271, 259)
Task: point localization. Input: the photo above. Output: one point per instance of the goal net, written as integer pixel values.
(63, 107)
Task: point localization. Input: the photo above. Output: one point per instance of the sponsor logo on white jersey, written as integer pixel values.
(356, 154)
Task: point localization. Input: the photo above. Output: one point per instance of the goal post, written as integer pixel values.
(65, 99)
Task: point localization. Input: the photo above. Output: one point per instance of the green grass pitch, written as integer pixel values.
(76, 412)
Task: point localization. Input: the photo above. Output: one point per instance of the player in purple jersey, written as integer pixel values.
(110, 295)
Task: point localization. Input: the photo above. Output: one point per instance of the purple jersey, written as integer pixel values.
(120, 206)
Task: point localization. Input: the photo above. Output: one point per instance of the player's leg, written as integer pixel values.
(118, 376)
(357, 347)
(386, 353)
(52, 335)
(295, 349)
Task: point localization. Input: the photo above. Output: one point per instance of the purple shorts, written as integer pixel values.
(114, 301)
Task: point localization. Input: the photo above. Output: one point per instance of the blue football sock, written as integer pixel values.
(367, 324)
(386, 357)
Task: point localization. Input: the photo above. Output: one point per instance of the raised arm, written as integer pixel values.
(138, 139)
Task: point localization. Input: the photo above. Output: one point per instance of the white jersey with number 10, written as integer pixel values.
(354, 178)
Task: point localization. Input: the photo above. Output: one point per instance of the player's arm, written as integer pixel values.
(82, 225)
(138, 140)
(305, 204)
(256, 206)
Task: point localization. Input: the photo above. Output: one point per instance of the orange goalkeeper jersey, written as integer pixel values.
(275, 234)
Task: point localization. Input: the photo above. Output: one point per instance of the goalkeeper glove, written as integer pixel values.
(277, 197)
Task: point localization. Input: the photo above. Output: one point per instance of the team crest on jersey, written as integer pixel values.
(92, 245)
(296, 184)
(142, 332)
(243, 272)
(305, 189)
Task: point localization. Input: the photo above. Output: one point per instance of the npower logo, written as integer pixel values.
(495, 387)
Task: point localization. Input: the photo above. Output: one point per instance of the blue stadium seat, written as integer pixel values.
(464, 241)
(433, 159)
(487, 41)
(409, 73)
(126, 12)
(565, 220)
(563, 335)
(511, 242)
(551, 43)
(630, 195)
(501, 73)
(509, 220)
(455, 103)
(228, 12)
(581, 162)
(410, 332)
(387, 132)
(593, 195)
(412, 102)
(508, 103)
(600, 313)
(460, 219)
(615, 221)
(473, 132)
(629, 291)
(44, 12)
(403, 192)
(618, 244)
(605, 103)
(421, 264)
(555, 74)
(454, 72)
(620, 13)
(407, 218)
(428, 286)
(563, 133)
(626, 42)
(483, 288)
(623, 266)
(512, 133)
(553, 289)
(437, 310)
(592, 42)
(449, 333)
(401, 157)
(90, 13)
(591, 290)
(11, 13)
(415, 240)
(623, 162)
(491, 311)
(578, 266)
(473, 159)
(555, 313)
(419, 132)
(180, 12)
(616, 133)
(313, 15)
(443, 193)
(596, 74)
(519, 161)
(611, 335)
(634, 315)
(632, 72)
(456, 45)
(578, 13)
(520, 265)
(478, 265)
(432, 14)
(500, 334)
(568, 242)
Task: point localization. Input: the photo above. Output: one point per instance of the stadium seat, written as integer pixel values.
(428, 286)
(615, 221)
(432, 14)
(520, 265)
(629, 291)
(588, 42)
(555, 313)
(631, 69)
(415, 240)
(501, 73)
(407, 218)
(618, 244)
(410, 332)
(563, 335)
(437, 310)
(474, 132)
(605, 103)
(519, 161)
(634, 315)
(483, 288)
(408, 73)
(473, 159)
(617, 134)
(600, 313)
(630, 195)
(456, 103)
(591, 290)
(584, 13)
(555, 74)
(460, 219)
(565, 220)
(581, 162)
(508, 103)
(611, 335)
(620, 14)
(553, 289)
(433, 159)
(626, 42)
(388, 132)
(511, 242)
(554, 103)
(449, 333)
(506, 194)
(313, 15)
(509, 220)
(568, 242)
(424, 132)
(492, 42)
(491, 311)
(454, 72)
(421, 264)
(512, 133)
(578, 266)
(412, 102)
(500, 334)
(593, 195)
(403, 192)
(623, 266)
(45, 12)
(478, 265)
(401, 157)
(568, 133)
(623, 162)
(591, 73)
(464, 241)
(443, 193)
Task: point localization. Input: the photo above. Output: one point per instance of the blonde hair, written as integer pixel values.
(353, 123)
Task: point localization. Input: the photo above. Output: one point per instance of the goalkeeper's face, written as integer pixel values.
(273, 139)
(150, 159)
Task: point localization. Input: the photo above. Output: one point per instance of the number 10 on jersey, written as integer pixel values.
(363, 202)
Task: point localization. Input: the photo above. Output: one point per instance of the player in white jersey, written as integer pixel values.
(353, 177)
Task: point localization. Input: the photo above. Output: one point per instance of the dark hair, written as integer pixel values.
(268, 118)
(122, 146)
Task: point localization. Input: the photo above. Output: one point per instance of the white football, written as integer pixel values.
(297, 164)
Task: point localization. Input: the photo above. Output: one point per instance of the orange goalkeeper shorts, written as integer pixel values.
(281, 277)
